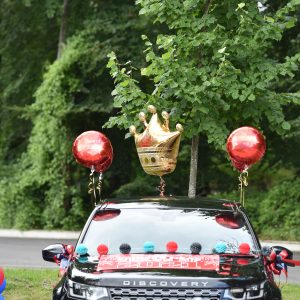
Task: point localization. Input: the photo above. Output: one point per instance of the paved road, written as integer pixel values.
(24, 252)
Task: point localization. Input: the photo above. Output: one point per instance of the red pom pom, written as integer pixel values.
(172, 247)
(244, 248)
(102, 249)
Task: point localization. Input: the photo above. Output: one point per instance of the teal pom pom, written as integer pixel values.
(221, 247)
(148, 247)
(81, 259)
(81, 249)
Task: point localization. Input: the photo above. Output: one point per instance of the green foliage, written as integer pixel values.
(274, 213)
(213, 70)
(214, 67)
(283, 218)
(141, 186)
(217, 68)
(44, 185)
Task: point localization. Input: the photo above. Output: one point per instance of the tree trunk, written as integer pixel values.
(62, 31)
(193, 168)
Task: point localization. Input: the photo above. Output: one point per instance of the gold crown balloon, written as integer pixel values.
(157, 146)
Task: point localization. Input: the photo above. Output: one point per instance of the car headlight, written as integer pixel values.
(255, 291)
(82, 291)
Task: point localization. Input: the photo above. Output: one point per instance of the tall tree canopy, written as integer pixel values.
(214, 69)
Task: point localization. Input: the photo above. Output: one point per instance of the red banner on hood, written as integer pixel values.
(158, 261)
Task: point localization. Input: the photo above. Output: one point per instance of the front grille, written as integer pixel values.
(165, 294)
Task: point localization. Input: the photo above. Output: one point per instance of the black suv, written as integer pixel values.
(166, 248)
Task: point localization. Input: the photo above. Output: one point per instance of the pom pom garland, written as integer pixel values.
(196, 248)
(148, 247)
(125, 248)
(102, 249)
(172, 247)
(220, 247)
(244, 248)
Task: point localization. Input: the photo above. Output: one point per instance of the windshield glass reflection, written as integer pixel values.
(135, 227)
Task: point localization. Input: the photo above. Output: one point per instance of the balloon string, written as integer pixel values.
(162, 187)
(95, 188)
(92, 186)
(242, 185)
(99, 186)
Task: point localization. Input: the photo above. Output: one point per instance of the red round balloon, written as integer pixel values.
(93, 149)
(244, 248)
(1, 276)
(241, 167)
(245, 146)
(172, 247)
(102, 249)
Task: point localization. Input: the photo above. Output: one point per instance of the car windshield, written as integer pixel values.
(135, 227)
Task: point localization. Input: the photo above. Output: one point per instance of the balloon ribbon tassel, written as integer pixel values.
(92, 187)
(161, 187)
(242, 185)
(95, 188)
(99, 186)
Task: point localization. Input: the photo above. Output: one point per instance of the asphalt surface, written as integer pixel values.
(27, 253)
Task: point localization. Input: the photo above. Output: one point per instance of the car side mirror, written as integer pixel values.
(53, 250)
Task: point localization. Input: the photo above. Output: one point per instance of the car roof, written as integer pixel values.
(172, 202)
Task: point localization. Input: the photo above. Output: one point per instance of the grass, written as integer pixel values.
(30, 284)
(291, 292)
(37, 284)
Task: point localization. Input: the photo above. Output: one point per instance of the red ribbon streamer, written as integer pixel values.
(281, 258)
(292, 261)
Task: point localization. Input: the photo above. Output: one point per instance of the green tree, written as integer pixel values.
(44, 181)
(214, 70)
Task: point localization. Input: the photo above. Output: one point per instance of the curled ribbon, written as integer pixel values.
(277, 265)
(279, 262)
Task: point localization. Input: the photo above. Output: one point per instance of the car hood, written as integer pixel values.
(232, 271)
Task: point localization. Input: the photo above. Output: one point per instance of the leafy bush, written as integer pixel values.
(280, 211)
(275, 214)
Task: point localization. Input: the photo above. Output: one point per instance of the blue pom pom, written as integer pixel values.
(3, 286)
(148, 247)
(81, 249)
(220, 247)
(1, 297)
